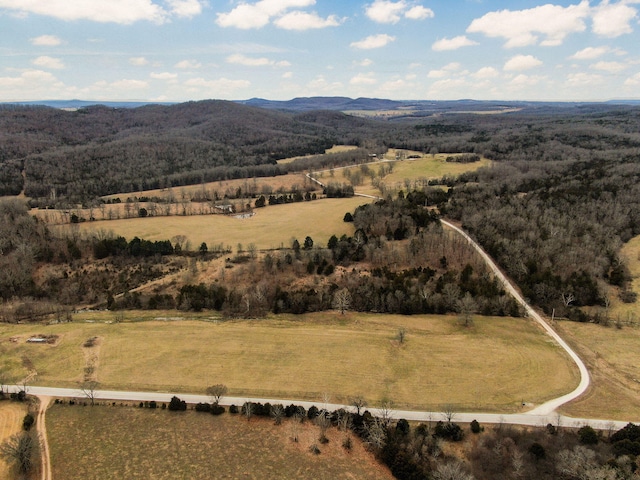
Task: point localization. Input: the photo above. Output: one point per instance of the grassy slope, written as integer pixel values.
(492, 366)
(190, 445)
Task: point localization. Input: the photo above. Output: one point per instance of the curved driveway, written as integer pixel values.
(547, 407)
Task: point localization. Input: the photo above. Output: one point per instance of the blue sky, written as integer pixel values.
(179, 50)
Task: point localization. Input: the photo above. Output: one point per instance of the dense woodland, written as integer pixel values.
(77, 156)
(553, 210)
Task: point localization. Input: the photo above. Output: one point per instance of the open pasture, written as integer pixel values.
(129, 442)
(613, 358)
(271, 227)
(403, 170)
(492, 366)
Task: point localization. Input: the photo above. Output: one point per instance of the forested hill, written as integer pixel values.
(99, 150)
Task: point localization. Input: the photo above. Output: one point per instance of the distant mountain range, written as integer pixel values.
(346, 104)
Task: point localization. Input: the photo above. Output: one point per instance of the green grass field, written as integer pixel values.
(492, 366)
(271, 226)
(103, 442)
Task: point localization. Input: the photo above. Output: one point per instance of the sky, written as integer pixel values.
(181, 50)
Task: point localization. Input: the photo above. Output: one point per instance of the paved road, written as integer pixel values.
(527, 418)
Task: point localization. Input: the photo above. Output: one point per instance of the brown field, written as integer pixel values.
(11, 415)
(104, 442)
(613, 358)
(334, 149)
(493, 366)
(271, 227)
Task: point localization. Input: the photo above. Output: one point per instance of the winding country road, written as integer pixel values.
(550, 406)
(539, 416)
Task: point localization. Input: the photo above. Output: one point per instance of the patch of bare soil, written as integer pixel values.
(91, 354)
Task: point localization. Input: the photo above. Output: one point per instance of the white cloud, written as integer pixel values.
(364, 63)
(256, 15)
(444, 71)
(28, 78)
(219, 87)
(437, 74)
(48, 62)
(306, 21)
(46, 41)
(185, 8)
(521, 62)
(613, 20)
(128, 84)
(321, 85)
(138, 61)
(448, 88)
(244, 17)
(582, 79)
(523, 80)
(32, 85)
(188, 65)
(287, 75)
(589, 53)
(611, 67)
(363, 79)
(485, 73)
(374, 41)
(386, 11)
(240, 59)
(633, 81)
(164, 76)
(522, 28)
(452, 43)
(103, 11)
(419, 13)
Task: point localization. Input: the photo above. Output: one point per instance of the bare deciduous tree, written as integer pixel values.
(342, 300)
(216, 392)
(358, 403)
(277, 413)
(18, 449)
(247, 410)
(88, 389)
(451, 471)
(467, 306)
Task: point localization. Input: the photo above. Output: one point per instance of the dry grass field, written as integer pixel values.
(613, 358)
(11, 415)
(271, 227)
(493, 366)
(90, 443)
(611, 353)
(334, 149)
(426, 167)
